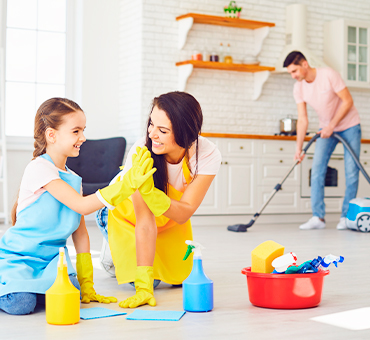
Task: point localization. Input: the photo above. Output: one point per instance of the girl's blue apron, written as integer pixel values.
(29, 250)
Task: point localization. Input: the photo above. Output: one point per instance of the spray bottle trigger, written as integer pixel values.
(188, 252)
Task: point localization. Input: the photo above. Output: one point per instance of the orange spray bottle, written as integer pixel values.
(62, 299)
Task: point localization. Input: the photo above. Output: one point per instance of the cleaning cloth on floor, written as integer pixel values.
(157, 315)
(98, 312)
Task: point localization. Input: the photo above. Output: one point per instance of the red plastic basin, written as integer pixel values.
(285, 291)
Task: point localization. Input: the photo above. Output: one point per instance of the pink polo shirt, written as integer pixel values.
(322, 96)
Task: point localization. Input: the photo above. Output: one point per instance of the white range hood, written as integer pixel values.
(295, 37)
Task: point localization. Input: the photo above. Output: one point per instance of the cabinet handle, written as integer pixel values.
(226, 163)
(365, 151)
(365, 163)
(281, 161)
(241, 148)
(281, 149)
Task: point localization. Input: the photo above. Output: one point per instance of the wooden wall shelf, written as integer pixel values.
(224, 21)
(260, 31)
(226, 66)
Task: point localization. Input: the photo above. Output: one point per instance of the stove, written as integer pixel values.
(293, 133)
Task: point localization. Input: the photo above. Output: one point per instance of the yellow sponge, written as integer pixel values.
(264, 254)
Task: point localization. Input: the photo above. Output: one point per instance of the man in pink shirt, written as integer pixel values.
(325, 91)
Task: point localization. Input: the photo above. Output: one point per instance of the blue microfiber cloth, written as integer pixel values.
(156, 315)
(98, 312)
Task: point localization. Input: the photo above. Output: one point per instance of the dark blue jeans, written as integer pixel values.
(323, 150)
(25, 303)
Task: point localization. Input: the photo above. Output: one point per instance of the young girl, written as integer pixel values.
(49, 210)
(147, 233)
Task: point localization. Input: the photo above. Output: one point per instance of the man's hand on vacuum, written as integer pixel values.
(298, 155)
(326, 132)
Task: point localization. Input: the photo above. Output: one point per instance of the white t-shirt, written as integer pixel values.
(209, 162)
(38, 173)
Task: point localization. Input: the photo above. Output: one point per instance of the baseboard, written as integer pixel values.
(225, 220)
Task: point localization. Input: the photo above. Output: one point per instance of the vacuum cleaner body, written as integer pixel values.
(358, 216)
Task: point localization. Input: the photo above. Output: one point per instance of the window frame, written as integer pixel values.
(73, 61)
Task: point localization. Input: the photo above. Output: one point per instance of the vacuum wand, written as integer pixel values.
(244, 227)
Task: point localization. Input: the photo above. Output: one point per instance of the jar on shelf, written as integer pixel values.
(228, 59)
(206, 56)
(196, 56)
(214, 57)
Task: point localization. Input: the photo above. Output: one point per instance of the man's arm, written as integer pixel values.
(302, 126)
(347, 103)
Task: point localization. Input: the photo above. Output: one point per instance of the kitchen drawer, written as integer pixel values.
(365, 151)
(277, 148)
(238, 147)
(272, 170)
(285, 201)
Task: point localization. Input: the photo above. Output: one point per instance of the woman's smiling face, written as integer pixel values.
(163, 140)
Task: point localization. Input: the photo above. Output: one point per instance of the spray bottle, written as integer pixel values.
(197, 289)
(62, 299)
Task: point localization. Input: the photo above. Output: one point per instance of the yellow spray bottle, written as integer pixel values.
(62, 299)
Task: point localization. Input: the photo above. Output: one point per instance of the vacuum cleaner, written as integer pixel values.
(358, 217)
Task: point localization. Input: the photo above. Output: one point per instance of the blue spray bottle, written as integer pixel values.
(197, 289)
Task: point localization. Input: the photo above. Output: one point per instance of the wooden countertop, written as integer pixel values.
(235, 135)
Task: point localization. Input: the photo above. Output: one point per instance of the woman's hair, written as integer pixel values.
(186, 117)
(49, 115)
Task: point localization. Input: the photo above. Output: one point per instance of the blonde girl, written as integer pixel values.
(49, 209)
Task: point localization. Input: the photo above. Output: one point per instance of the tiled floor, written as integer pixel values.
(226, 253)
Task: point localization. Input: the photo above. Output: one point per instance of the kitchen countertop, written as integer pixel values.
(243, 136)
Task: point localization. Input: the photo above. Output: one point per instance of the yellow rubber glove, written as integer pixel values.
(156, 200)
(144, 289)
(85, 278)
(141, 170)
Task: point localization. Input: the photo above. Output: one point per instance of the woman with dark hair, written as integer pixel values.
(147, 232)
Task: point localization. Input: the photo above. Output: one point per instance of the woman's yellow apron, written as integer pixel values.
(170, 245)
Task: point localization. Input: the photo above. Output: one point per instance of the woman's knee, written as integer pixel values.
(19, 303)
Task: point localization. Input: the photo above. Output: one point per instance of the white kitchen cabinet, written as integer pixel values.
(275, 159)
(251, 168)
(232, 190)
(346, 49)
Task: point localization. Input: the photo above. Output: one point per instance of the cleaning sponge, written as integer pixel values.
(264, 254)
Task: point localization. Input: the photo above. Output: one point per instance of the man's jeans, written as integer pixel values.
(323, 150)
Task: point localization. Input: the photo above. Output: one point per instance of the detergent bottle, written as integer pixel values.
(62, 299)
(197, 289)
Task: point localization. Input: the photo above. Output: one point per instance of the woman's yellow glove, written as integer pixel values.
(144, 289)
(141, 170)
(156, 200)
(85, 278)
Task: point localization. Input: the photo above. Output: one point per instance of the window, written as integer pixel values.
(357, 54)
(35, 68)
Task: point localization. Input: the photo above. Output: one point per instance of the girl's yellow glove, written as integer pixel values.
(141, 170)
(85, 278)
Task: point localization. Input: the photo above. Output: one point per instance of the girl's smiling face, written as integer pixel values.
(70, 134)
(163, 140)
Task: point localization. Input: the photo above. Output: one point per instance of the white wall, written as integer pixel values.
(225, 97)
(100, 76)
